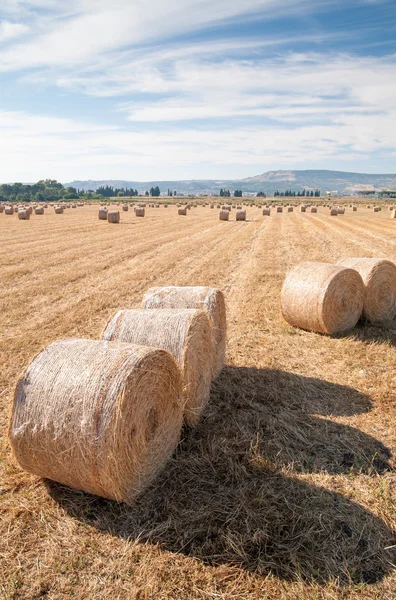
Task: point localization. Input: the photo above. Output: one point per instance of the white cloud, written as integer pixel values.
(10, 30)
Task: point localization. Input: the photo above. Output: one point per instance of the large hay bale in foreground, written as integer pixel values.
(97, 416)
(240, 215)
(379, 278)
(204, 298)
(322, 297)
(185, 333)
(23, 214)
(113, 216)
(102, 214)
(224, 214)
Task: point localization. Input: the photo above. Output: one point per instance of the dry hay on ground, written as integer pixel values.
(286, 488)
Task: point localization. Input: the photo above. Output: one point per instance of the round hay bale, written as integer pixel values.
(165, 206)
(322, 297)
(390, 207)
(74, 205)
(240, 215)
(289, 209)
(212, 206)
(379, 278)
(182, 210)
(102, 214)
(218, 206)
(393, 214)
(279, 209)
(266, 212)
(376, 208)
(203, 298)
(341, 210)
(140, 211)
(113, 216)
(97, 416)
(58, 210)
(185, 333)
(224, 214)
(125, 207)
(39, 210)
(333, 211)
(314, 209)
(303, 208)
(354, 208)
(23, 215)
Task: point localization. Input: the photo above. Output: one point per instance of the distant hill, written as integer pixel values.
(269, 182)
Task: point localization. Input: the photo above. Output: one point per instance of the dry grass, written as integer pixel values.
(285, 490)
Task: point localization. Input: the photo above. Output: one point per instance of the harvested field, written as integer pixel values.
(287, 487)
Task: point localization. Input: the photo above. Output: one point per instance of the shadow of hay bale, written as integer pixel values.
(223, 499)
(380, 334)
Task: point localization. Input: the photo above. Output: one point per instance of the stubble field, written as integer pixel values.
(287, 487)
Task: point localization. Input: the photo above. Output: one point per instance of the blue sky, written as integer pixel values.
(155, 89)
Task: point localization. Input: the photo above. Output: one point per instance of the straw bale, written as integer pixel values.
(240, 215)
(314, 209)
(39, 210)
(140, 211)
(59, 210)
(203, 298)
(23, 215)
(113, 216)
(376, 209)
(125, 207)
(393, 214)
(354, 208)
(9, 210)
(186, 334)
(182, 210)
(379, 278)
(303, 208)
(98, 416)
(224, 214)
(322, 297)
(266, 212)
(279, 209)
(289, 209)
(333, 211)
(102, 214)
(341, 210)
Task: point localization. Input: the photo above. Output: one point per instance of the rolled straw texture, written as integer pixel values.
(224, 214)
(98, 416)
(23, 215)
(240, 215)
(266, 212)
(140, 211)
(113, 216)
(333, 211)
(203, 298)
(186, 334)
(39, 210)
(303, 208)
(393, 215)
(322, 297)
(279, 209)
(182, 210)
(379, 278)
(102, 214)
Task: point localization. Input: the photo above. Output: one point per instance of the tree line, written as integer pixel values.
(302, 193)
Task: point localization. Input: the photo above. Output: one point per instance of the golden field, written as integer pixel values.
(287, 487)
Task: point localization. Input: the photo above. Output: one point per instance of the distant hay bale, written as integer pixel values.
(322, 297)
(125, 207)
(113, 216)
(314, 209)
(165, 206)
(23, 215)
(279, 209)
(376, 208)
(185, 333)
(393, 214)
(203, 298)
(157, 206)
(58, 210)
(266, 212)
(333, 211)
(182, 210)
(303, 208)
(354, 208)
(218, 206)
(102, 214)
(39, 210)
(74, 205)
(140, 211)
(390, 207)
(224, 214)
(97, 416)
(9, 210)
(240, 215)
(212, 206)
(379, 278)
(289, 209)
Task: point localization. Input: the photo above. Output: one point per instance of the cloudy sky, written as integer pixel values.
(180, 89)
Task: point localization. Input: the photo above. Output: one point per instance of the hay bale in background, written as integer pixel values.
(289, 209)
(182, 210)
(266, 212)
(23, 215)
(303, 208)
(125, 207)
(113, 216)
(376, 209)
(314, 209)
(393, 214)
(203, 298)
(354, 208)
(224, 214)
(341, 210)
(279, 209)
(322, 297)
(99, 417)
(240, 215)
(333, 211)
(102, 214)
(140, 211)
(58, 210)
(186, 334)
(379, 278)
